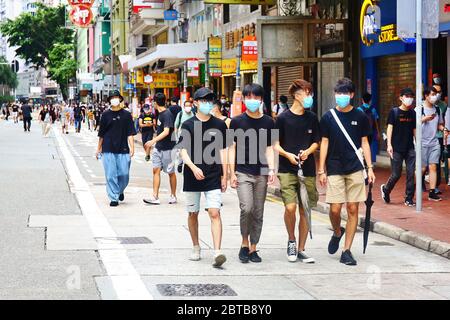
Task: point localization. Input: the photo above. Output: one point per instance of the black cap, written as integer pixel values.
(115, 93)
(407, 92)
(204, 93)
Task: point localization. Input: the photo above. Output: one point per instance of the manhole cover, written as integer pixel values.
(197, 290)
(124, 240)
(382, 244)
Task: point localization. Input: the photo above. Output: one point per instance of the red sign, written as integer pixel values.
(249, 48)
(81, 15)
(87, 3)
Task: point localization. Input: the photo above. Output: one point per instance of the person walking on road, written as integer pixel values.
(206, 174)
(78, 117)
(26, 114)
(45, 118)
(299, 138)
(447, 138)
(432, 123)
(280, 107)
(162, 156)
(15, 113)
(401, 132)
(341, 167)
(147, 126)
(181, 118)
(251, 160)
(116, 147)
(440, 135)
(216, 112)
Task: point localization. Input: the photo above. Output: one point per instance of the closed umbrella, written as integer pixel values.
(304, 197)
(369, 203)
(445, 156)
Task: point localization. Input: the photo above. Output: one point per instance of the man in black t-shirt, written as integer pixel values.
(252, 168)
(116, 147)
(401, 130)
(163, 156)
(26, 114)
(78, 117)
(174, 107)
(205, 170)
(299, 138)
(344, 166)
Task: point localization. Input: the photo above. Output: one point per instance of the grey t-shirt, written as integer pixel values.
(430, 128)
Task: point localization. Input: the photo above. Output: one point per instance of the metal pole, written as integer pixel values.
(111, 43)
(185, 78)
(419, 106)
(207, 69)
(238, 67)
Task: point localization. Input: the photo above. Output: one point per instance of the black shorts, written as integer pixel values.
(147, 136)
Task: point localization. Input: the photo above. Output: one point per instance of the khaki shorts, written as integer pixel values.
(346, 188)
(290, 189)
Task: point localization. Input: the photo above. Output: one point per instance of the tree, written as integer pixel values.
(43, 41)
(7, 76)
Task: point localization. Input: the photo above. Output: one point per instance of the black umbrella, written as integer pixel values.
(369, 203)
(445, 156)
(304, 197)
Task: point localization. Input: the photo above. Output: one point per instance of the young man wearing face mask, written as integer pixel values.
(206, 173)
(341, 168)
(116, 147)
(440, 135)
(182, 117)
(163, 157)
(252, 168)
(401, 132)
(225, 106)
(299, 138)
(432, 122)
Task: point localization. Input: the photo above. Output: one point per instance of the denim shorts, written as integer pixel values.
(213, 200)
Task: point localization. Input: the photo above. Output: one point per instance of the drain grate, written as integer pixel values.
(196, 290)
(124, 240)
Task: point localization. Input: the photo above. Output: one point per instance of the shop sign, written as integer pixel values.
(388, 33)
(249, 48)
(140, 76)
(229, 66)
(164, 80)
(252, 2)
(148, 79)
(138, 5)
(170, 15)
(193, 68)
(370, 22)
(215, 56)
(444, 11)
(87, 3)
(81, 15)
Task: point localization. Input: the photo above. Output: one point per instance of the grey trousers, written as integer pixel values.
(252, 192)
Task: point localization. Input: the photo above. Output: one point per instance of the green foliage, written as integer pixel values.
(6, 99)
(62, 66)
(7, 76)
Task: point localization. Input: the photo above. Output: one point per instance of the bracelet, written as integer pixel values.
(321, 172)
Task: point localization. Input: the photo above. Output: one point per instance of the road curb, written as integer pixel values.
(412, 238)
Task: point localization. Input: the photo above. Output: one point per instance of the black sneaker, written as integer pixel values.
(114, 204)
(384, 194)
(432, 196)
(333, 245)
(254, 257)
(410, 203)
(347, 258)
(122, 197)
(244, 254)
(147, 158)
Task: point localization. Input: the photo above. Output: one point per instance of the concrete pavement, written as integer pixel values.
(159, 267)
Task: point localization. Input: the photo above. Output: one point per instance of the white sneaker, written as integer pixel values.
(172, 199)
(152, 200)
(303, 257)
(195, 255)
(219, 260)
(292, 251)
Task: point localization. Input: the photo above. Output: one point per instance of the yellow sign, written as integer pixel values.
(388, 33)
(254, 2)
(140, 76)
(230, 65)
(164, 80)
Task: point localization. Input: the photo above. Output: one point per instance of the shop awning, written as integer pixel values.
(171, 53)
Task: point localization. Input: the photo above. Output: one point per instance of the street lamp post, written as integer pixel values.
(111, 43)
(419, 106)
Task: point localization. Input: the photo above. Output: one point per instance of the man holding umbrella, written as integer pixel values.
(116, 147)
(343, 149)
(299, 138)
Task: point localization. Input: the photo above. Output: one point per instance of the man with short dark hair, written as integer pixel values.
(163, 158)
(26, 114)
(174, 107)
(401, 132)
(343, 158)
(280, 107)
(440, 135)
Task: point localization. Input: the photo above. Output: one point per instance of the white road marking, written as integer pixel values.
(125, 279)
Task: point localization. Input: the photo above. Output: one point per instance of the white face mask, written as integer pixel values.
(433, 99)
(115, 102)
(187, 109)
(408, 101)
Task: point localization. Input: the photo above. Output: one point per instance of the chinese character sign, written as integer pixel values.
(249, 49)
(81, 14)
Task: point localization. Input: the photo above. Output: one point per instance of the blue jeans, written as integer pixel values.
(117, 172)
(78, 124)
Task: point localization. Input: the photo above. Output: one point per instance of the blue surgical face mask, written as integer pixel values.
(308, 102)
(205, 107)
(252, 104)
(343, 100)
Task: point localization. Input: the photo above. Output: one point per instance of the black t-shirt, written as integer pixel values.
(115, 128)
(252, 160)
(15, 108)
(297, 132)
(77, 113)
(208, 160)
(175, 110)
(165, 120)
(26, 111)
(404, 123)
(146, 119)
(341, 158)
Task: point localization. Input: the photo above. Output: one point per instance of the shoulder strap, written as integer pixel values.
(349, 139)
(178, 120)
